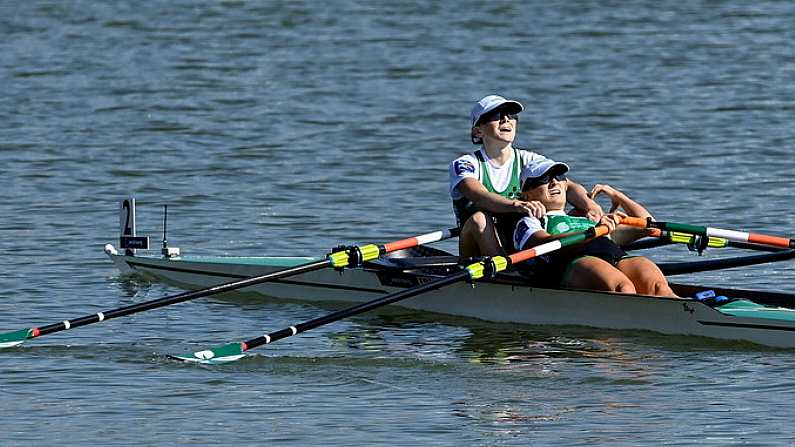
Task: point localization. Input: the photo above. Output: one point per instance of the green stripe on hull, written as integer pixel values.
(748, 309)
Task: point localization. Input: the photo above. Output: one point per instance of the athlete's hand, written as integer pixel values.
(611, 221)
(532, 208)
(594, 211)
(613, 194)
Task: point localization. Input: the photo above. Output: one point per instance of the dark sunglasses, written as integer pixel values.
(496, 115)
(543, 180)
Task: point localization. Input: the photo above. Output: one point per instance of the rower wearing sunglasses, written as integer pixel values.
(598, 264)
(485, 187)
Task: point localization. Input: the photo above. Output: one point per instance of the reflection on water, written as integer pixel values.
(438, 336)
(133, 285)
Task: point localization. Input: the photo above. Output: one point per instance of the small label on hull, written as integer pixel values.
(134, 242)
(397, 279)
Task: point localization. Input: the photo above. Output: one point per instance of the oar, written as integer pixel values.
(731, 235)
(660, 238)
(488, 267)
(349, 257)
(681, 268)
(694, 242)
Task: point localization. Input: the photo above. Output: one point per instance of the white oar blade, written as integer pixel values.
(16, 338)
(215, 356)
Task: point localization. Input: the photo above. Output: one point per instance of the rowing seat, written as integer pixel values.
(428, 259)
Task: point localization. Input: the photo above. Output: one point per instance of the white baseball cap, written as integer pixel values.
(538, 168)
(489, 103)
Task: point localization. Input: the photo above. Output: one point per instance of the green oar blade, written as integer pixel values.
(15, 338)
(214, 356)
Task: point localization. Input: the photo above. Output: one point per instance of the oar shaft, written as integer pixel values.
(681, 268)
(179, 298)
(732, 235)
(355, 310)
(350, 256)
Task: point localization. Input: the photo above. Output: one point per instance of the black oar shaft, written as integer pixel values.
(181, 297)
(681, 268)
(345, 257)
(356, 310)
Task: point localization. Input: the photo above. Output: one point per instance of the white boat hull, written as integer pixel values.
(500, 301)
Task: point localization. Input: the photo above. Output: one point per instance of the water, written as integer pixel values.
(289, 127)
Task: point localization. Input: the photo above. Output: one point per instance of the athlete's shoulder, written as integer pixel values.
(525, 227)
(465, 164)
(527, 155)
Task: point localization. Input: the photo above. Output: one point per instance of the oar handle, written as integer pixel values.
(636, 221)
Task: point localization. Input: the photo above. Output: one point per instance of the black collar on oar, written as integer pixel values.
(736, 236)
(352, 256)
(488, 267)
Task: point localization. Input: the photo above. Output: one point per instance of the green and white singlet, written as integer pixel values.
(503, 180)
(554, 222)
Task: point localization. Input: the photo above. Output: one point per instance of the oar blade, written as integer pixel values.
(229, 353)
(15, 338)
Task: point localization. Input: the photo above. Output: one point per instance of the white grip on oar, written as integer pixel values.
(732, 235)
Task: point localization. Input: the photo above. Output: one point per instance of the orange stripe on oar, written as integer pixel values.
(402, 244)
(523, 255)
(601, 230)
(635, 221)
(769, 240)
(420, 240)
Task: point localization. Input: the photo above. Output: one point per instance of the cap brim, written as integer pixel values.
(510, 107)
(556, 168)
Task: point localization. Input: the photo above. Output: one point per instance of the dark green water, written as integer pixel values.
(287, 128)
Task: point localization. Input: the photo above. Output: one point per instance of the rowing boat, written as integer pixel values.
(757, 317)
(410, 274)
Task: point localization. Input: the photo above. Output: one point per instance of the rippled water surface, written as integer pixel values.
(287, 128)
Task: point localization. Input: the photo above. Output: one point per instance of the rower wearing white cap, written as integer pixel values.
(485, 187)
(598, 264)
